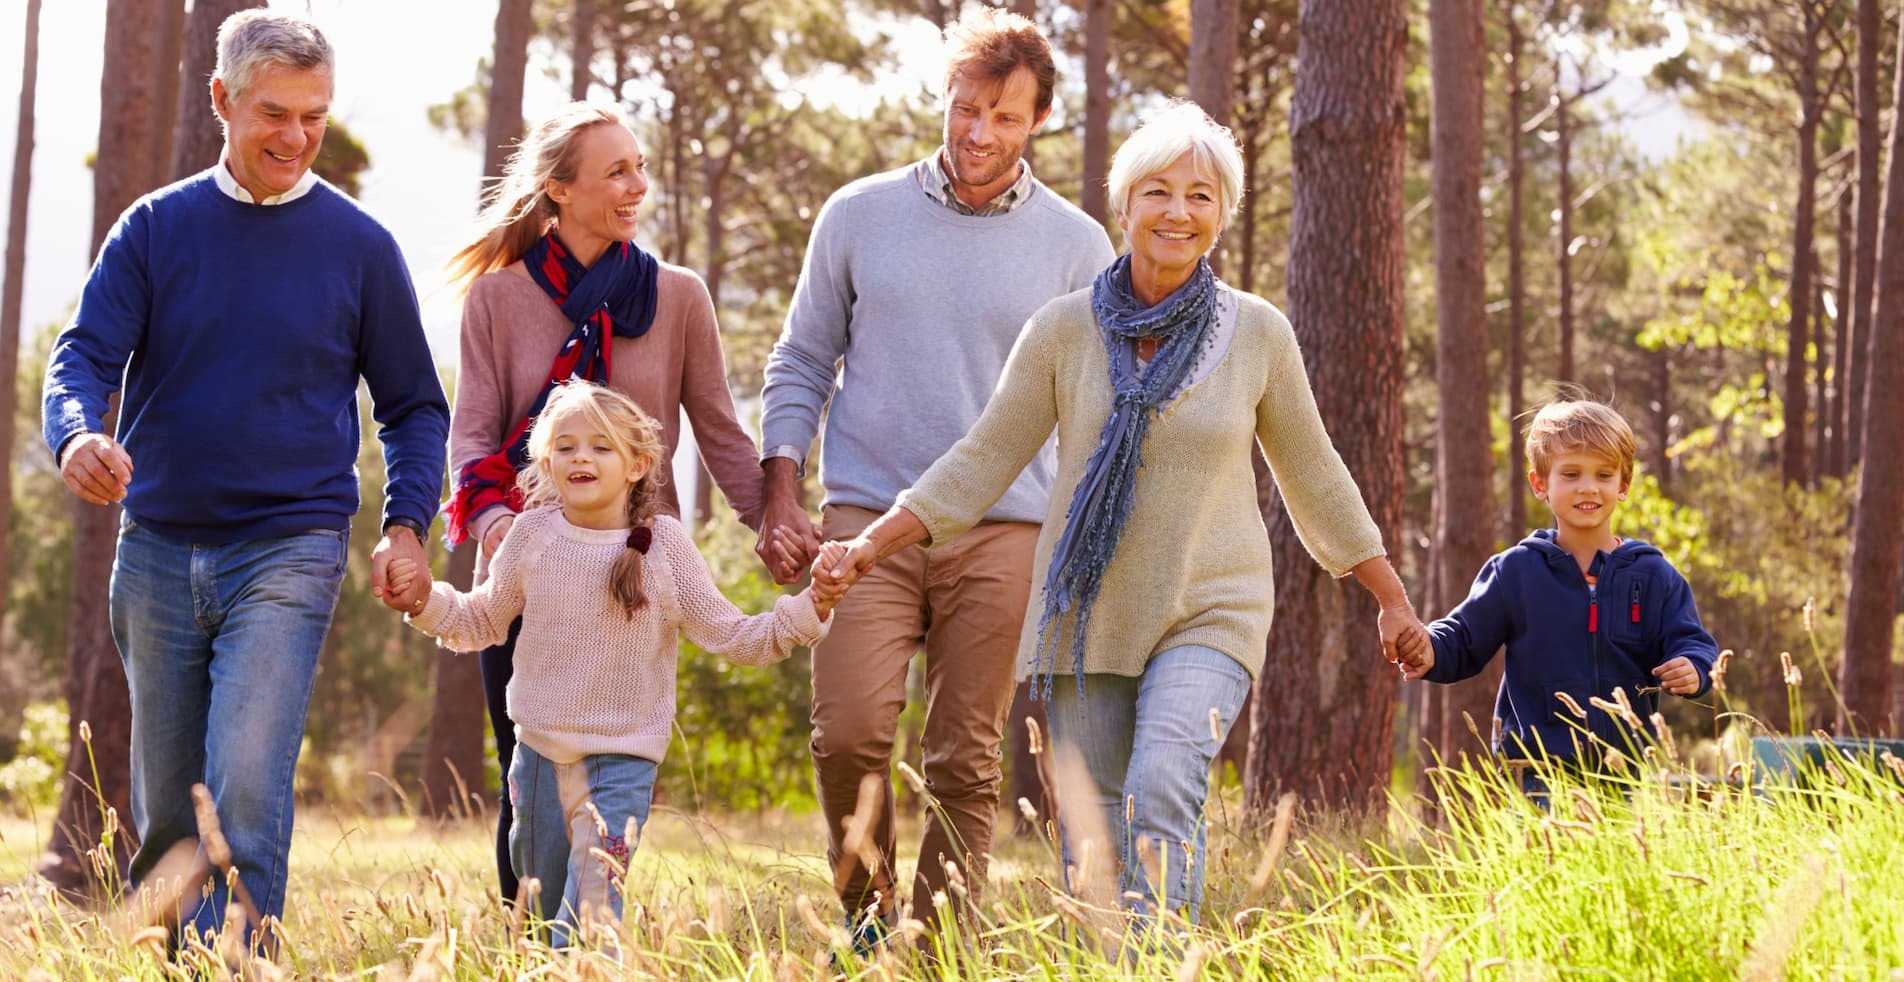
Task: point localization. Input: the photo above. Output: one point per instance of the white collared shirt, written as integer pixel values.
(235, 190)
(937, 184)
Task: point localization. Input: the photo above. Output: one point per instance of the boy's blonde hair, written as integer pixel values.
(636, 437)
(1580, 426)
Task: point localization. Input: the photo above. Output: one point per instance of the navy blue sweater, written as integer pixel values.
(1563, 636)
(241, 331)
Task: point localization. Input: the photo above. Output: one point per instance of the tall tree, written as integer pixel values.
(1097, 109)
(1837, 456)
(1213, 25)
(1465, 522)
(98, 701)
(1562, 108)
(1877, 549)
(10, 295)
(1325, 708)
(502, 124)
(197, 136)
(1864, 271)
(171, 42)
(581, 48)
(1516, 277)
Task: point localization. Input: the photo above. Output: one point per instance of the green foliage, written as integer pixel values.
(32, 778)
(341, 158)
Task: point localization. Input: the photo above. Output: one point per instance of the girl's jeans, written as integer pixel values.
(555, 831)
(1147, 743)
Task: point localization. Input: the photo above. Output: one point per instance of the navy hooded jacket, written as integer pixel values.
(1563, 636)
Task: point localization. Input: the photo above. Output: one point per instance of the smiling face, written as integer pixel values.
(987, 124)
(590, 474)
(1583, 489)
(1172, 220)
(274, 127)
(599, 204)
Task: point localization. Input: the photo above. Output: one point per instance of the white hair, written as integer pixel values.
(251, 39)
(1178, 128)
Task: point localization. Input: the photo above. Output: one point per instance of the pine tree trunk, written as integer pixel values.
(1841, 341)
(1820, 398)
(1663, 417)
(1464, 470)
(1864, 275)
(10, 294)
(171, 45)
(1097, 109)
(1564, 257)
(502, 126)
(197, 137)
(1877, 549)
(1213, 27)
(453, 753)
(97, 697)
(581, 48)
(1516, 285)
(1793, 454)
(1325, 709)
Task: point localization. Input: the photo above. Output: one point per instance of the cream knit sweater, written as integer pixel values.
(1193, 566)
(589, 680)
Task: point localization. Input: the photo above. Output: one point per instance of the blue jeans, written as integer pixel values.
(220, 645)
(555, 831)
(1147, 744)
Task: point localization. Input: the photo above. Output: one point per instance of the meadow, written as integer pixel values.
(1642, 876)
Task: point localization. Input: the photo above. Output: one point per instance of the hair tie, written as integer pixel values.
(640, 538)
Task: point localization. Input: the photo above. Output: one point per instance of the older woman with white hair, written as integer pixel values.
(1157, 597)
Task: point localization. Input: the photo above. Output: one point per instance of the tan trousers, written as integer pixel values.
(964, 604)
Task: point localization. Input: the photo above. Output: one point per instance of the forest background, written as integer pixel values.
(1676, 205)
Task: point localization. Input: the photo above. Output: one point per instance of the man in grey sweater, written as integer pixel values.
(917, 283)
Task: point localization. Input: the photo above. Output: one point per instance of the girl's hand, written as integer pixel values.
(408, 584)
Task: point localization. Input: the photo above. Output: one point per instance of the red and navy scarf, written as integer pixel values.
(613, 298)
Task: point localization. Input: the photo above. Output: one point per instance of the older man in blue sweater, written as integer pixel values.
(241, 306)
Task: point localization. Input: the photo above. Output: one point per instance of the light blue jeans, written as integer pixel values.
(220, 645)
(1147, 744)
(555, 831)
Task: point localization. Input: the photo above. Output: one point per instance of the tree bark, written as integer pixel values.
(503, 125)
(1841, 342)
(1877, 549)
(1213, 25)
(581, 48)
(171, 44)
(453, 753)
(11, 293)
(1793, 454)
(1325, 709)
(1464, 470)
(1663, 417)
(1516, 285)
(1563, 110)
(197, 136)
(1820, 365)
(1097, 109)
(1864, 273)
(96, 693)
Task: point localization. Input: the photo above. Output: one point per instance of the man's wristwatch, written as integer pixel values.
(409, 523)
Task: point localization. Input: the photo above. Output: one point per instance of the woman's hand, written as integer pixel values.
(1405, 641)
(492, 539)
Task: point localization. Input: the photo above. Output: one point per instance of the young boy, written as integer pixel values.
(1580, 610)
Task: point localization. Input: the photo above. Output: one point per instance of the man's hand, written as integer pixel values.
(95, 467)
(399, 542)
(787, 555)
(1678, 676)
(1405, 641)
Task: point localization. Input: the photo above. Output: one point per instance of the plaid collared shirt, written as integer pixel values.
(937, 185)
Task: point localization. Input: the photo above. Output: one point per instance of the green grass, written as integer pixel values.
(1635, 879)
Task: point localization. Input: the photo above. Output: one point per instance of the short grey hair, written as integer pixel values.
(251, 39)
(1178, 128)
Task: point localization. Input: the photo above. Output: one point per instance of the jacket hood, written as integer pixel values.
(1544, 542)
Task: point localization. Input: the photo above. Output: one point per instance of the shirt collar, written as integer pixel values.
(938, 186)
(236, 191)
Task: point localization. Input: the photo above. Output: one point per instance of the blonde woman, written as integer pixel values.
(558, 289)
(1155, 564)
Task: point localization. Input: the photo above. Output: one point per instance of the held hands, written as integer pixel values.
(96, 468)
(400, 543)
(826, 588)
(405, 578)
(1405, 642)
(1678, 676)
(788, 541)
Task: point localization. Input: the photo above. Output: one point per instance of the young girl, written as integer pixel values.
(601, 583)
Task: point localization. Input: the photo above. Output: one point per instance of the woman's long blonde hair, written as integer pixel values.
(517, 209)
(634, 434)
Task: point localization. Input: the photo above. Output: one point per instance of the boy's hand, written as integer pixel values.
(1405, 642)
(406, 585)
(1678, 676)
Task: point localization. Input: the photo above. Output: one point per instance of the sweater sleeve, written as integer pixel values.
(1466, 640)
(958, 489)
(729, 452)
(804, 363)
(406, 398)
(480, 618)
(1682, 634)
(1325, 505)
(711, 621)
(90, 354)
(476, 424)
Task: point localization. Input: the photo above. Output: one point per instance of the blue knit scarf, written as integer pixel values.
(1105, 495)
